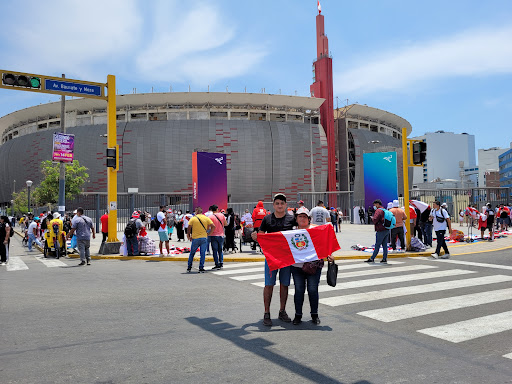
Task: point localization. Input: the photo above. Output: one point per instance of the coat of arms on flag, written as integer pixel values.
(282, 249)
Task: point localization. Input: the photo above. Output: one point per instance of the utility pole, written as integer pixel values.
(62, 175)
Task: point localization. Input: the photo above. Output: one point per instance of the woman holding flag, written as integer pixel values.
(306, 276)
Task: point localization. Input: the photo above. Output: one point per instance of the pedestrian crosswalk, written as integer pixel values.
(400, 292)
(17, 263)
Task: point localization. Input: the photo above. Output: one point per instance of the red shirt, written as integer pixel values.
(412, 213)
(104, 223)
(257, 216)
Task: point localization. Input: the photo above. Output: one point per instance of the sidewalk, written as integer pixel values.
(349, 235)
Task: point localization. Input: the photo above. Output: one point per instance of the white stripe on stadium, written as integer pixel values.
(471, 329)
(422, 308)
(414, 290)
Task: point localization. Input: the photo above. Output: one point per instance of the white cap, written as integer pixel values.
(303, 210)
(395, 203)
(390, 205)
(56, 215)
(444, 205)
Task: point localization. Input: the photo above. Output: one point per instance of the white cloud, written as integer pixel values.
(68, 34)
(198, 46)
(479, 52)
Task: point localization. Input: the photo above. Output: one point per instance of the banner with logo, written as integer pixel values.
(209, 180)
(63, 147)
(380, 177)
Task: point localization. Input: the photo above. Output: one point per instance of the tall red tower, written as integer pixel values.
(323, 88)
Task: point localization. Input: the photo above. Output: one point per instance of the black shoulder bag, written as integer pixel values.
(332, 273)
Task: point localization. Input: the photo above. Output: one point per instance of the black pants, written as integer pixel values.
(397, 231)
(3, 252)
(230, 238)
(441, 242)
(105, 235)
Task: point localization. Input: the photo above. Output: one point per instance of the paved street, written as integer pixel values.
(415, 320)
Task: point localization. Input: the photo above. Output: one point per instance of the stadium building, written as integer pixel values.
(273, 143)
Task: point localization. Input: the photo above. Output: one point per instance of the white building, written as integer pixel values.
(488, 161)
(446, 152)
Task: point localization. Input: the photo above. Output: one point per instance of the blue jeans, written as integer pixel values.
(426, 229)
(217, 243)
(208, 241)
(132, 245)
(32, 239)
(201, 244)
(381, 238)
(300, 278)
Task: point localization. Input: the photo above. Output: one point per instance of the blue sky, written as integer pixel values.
(439, 64)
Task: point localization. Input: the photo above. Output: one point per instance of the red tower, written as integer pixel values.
(323, 88)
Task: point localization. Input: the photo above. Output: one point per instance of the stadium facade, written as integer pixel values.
(268, 141)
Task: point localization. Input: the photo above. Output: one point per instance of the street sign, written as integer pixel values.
(72, 87)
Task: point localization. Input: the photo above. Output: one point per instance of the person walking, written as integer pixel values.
(33, 228)
(198, 228)
(258, 214)
(301, 279)
(278, 221)
(334, 218)
(83, 227)
(230, 230)
(441, 221)
(361, 215)
(5, 238)
(320, 215)
(381, 233)
(170, 222)
(104, 226)
(216, 236)
(179, 225)
(162, 230)
(398, 230)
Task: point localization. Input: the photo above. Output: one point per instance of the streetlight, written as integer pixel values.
(29, 184)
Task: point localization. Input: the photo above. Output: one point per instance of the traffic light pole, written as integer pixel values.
(406, 188)
(112, 172)
(62, 176)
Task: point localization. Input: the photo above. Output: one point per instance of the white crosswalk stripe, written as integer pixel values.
(16, 264)
(471, 329)
(414, 290)
(407, 311)
(239, 270)
(51, 263)
(508, 356)
(471, 263)
(248, 264)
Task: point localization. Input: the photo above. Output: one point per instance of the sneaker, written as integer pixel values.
(216, 267)
(315, 319)
(383, 261)
(82, 263)
(401, 251)
(297, 320)
(202, 270)
(88, 263)
(267, 320)
(189, 269)
(370, 260)
(435, 255)
(445, 256)
(283, 316)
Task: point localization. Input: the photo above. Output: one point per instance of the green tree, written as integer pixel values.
(20, 201)
(48, 191)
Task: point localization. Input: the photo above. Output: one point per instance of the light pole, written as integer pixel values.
(12, 208)
(29, 184)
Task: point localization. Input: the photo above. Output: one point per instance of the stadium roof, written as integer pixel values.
(365, 112)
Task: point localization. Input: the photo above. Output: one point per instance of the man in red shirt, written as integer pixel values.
(257, 217)
(104, 226)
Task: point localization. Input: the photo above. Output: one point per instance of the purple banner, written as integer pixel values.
(209, 179)
(63, 147)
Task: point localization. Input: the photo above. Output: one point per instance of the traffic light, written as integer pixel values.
(419, 152)
(23, 81)
(111, 158)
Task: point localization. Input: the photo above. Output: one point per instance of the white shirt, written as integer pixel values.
(31, 227)
(247, 218)
(439, 213)
(160, 217)
(186, 218)
(319, 215)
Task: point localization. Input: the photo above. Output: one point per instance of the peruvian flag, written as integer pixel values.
(282, 249)
(472, 212)
(319, 6)
(419, 204)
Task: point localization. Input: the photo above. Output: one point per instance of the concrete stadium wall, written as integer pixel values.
(263, 157)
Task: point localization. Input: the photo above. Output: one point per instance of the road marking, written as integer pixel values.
(472, 263)
(394, 279)
(51, 263)
(239, 270)
(471, 329)
(370, 271)
(412, 290)
(508, 356)
(249, 264)
(422, 308)
(16, 264)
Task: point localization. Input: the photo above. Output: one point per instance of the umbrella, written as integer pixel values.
(419, 204)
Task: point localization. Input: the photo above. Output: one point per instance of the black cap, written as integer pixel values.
(280, 196)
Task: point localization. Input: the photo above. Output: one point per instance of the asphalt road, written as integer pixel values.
(151, 322)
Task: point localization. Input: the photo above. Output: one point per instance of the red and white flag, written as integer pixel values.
(319, 6)
(419, 204)
(472, 212)
(282, 249)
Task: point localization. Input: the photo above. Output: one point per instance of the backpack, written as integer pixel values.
(155, 224)
(131, 229)
(44, 225)
(389, 219)
(11, 234)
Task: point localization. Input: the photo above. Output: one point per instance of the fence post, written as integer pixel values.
(132, 204)
(351, 207)
(97, 213)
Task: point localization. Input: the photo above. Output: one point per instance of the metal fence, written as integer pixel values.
(342, 200)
